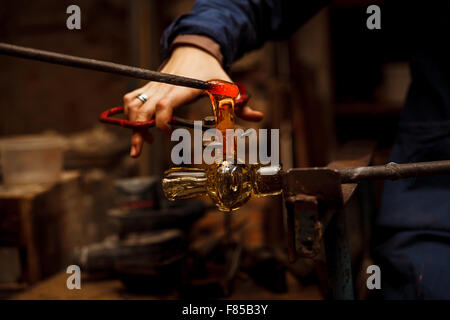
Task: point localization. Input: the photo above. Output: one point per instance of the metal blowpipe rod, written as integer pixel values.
(391, 171)
(394, 171)
(91, 64)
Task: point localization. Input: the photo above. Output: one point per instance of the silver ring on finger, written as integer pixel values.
(143, 97)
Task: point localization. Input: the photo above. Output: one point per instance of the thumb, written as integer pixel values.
(247, 113)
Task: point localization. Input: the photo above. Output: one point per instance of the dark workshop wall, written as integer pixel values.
(36, 96)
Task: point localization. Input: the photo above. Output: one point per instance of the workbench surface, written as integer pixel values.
(54, 288)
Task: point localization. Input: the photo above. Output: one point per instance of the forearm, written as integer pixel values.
(241, 26)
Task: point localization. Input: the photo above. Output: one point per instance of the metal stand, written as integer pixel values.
(338, 258)
(315, 201)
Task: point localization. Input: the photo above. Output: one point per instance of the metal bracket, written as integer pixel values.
(311, 195)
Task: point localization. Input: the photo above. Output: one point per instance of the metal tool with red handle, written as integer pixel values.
(106, 116)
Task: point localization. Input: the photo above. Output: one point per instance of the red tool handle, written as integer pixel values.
(106, 116)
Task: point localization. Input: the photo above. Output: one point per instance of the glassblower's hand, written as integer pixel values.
(163, 98)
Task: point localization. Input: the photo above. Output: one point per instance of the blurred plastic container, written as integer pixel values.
(31, 159)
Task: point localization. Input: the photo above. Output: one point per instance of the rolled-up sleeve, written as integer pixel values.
(239, 26)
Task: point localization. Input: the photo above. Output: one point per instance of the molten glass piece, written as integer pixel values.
(222, 95)
(228, 183)
(230, 186)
